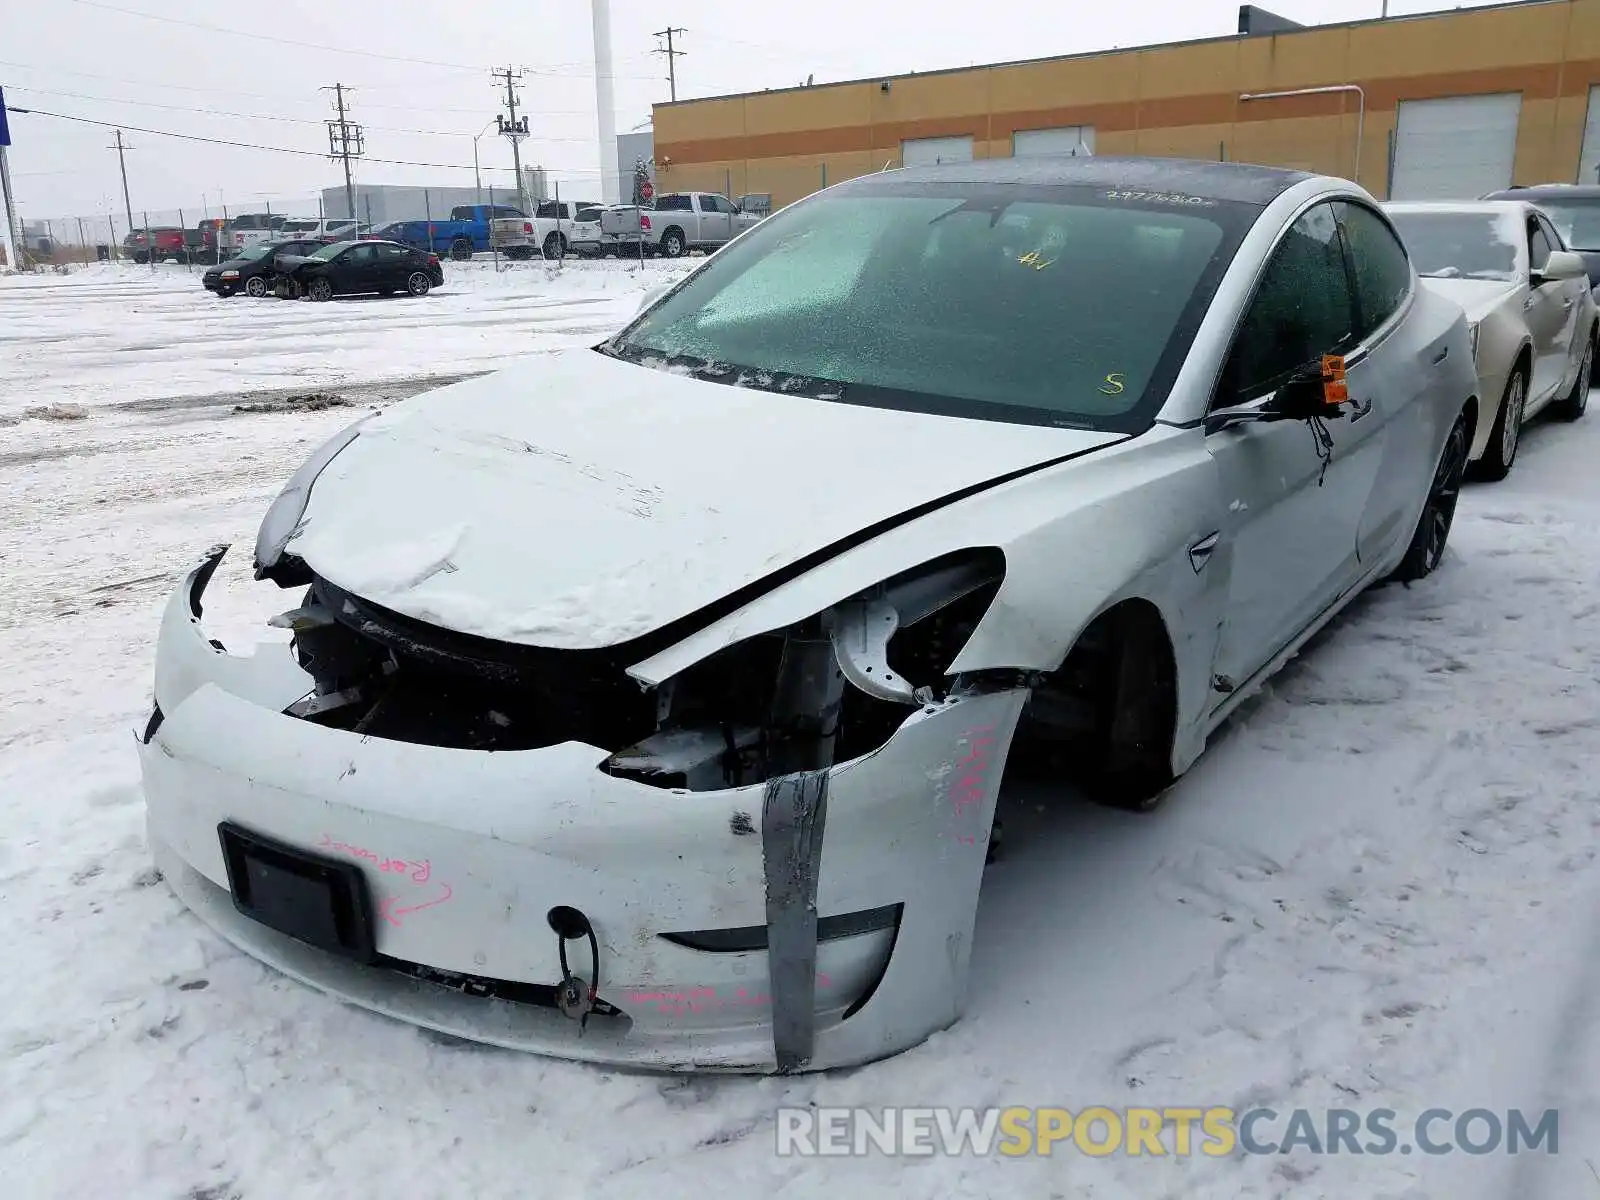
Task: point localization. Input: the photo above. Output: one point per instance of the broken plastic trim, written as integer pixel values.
(754, 937)
(284, 516)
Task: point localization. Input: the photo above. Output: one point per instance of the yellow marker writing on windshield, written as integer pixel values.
(1115, 384)
(1035, 260)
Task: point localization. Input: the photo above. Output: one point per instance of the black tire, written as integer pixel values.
(1506, 436)
(256, 287)
(320, 290)
(1575, 403)
(555, 246)
(461, 250)
(418, 283)
(672, 243)
(1439, 509)
(141, 259)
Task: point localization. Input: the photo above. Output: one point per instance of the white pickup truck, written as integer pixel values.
(553, 230)
(679, 222)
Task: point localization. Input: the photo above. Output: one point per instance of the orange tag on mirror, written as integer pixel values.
(1334, 389)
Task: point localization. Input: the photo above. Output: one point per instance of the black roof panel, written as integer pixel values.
(1243, 183)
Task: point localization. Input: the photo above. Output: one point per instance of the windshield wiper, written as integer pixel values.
(760, 379)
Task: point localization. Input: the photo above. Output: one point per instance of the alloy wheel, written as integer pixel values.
(1511, 423)
(418, 283)
(1444, 493)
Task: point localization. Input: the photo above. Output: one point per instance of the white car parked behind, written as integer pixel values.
(1528, 301)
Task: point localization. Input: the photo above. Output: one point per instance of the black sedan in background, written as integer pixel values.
(353, 268)
(255, 270)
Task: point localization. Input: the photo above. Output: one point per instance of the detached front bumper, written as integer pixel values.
(818, 920)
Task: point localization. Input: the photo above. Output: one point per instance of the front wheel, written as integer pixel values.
(255, 287)
(1576, 402)
(1506, 435)
(1439, 509)
(418, 283)
(321, 290)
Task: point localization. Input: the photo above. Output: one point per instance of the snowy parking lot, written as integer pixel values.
(1377, 890)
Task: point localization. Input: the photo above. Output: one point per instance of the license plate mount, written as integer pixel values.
(315, 900)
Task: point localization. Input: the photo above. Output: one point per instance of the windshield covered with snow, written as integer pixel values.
(1049, 305)
(1577, 221)
(1459, 245)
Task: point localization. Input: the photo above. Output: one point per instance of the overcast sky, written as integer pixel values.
(420, 73)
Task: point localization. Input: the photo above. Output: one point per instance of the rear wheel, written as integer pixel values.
(1576, 402)
(321, 290)
(1439, 509)
(673, 244)
(256, 287)
(555, 246)
(461, 249)
(418, 283)
(1506, 435)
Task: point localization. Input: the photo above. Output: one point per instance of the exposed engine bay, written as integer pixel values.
(828, 689)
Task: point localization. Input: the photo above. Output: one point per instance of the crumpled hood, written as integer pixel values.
(576, 501)
(1477, 297)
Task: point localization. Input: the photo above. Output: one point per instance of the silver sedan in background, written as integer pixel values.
(1527, 297)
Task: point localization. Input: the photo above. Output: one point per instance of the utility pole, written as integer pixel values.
(513, 129)
(346, 140)
(122, 162)
(672, 56)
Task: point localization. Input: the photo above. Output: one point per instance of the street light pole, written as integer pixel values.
(477, 174)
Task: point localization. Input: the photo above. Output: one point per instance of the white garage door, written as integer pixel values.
(1051, 143)
(928, 152)
(1589, 163)
(1456, 148)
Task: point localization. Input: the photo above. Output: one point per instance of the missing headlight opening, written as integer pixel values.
(828, 689)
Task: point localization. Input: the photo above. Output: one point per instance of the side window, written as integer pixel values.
(1538, 246)
(1379, 263)
(713, 204)
(1557, 242)
(359, 255)
(1301, 311)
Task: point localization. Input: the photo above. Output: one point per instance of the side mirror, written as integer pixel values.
(1298, 400)
(1561, 265)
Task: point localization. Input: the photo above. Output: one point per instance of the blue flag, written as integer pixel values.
(5, 131)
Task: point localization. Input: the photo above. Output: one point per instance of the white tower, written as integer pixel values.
(605, 102)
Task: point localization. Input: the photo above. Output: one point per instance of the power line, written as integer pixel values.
(672, 56)
(183, 87)
(192, 137)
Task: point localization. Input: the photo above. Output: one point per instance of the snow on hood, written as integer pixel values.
(1478, 297)
(577, 501)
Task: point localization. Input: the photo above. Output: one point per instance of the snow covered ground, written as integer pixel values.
(1378, 889)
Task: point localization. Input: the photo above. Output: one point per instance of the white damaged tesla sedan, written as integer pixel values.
(647, 703)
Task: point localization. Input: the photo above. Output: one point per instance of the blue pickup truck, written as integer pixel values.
(460, 236)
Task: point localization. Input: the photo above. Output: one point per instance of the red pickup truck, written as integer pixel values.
(169, 243)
